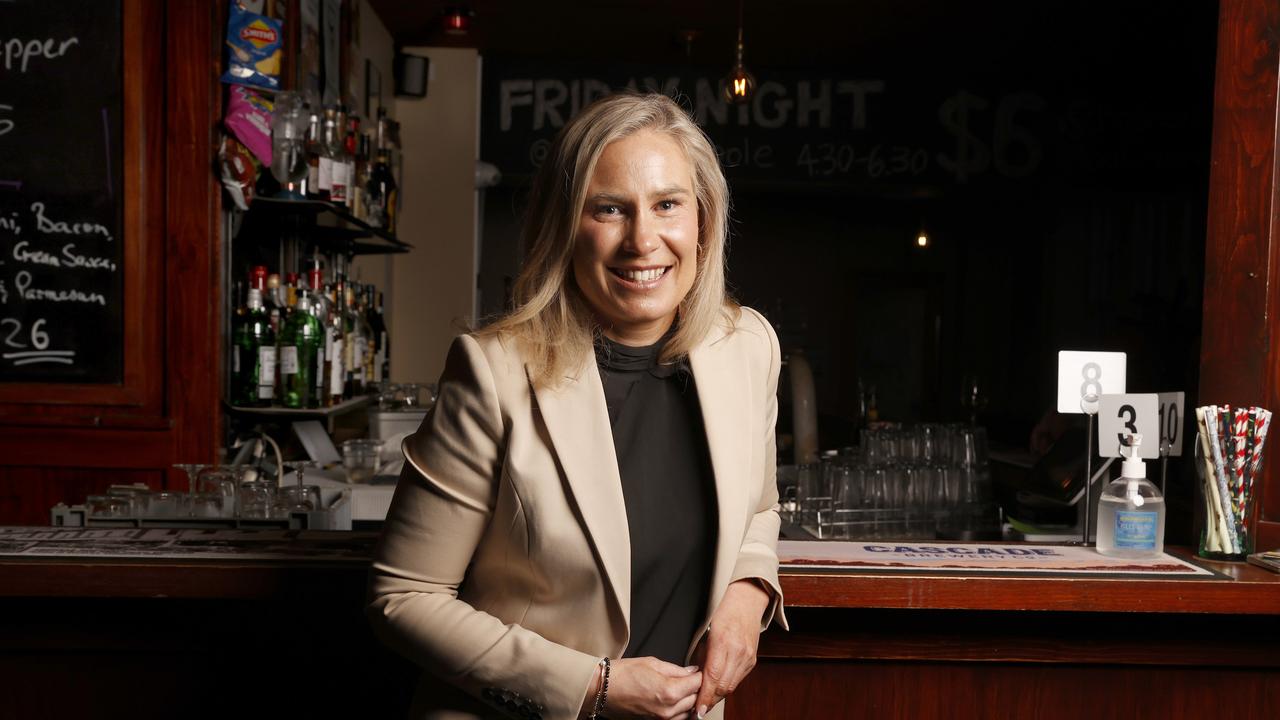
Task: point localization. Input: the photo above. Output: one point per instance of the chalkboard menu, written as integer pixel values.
(61, 204)
(900, 132)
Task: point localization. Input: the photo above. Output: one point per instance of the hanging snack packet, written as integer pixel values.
(238, 171)
(254, 49)
(249, 119)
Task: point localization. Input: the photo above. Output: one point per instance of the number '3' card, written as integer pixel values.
(1134, 413)
(1088, 372)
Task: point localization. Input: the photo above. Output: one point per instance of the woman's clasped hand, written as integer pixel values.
(645, 688)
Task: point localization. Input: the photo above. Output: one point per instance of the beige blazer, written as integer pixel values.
(504, 567)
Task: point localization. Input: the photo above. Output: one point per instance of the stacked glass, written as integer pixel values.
(916, 482)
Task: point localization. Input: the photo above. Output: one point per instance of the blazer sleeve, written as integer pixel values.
(758, 558)
(439, 513)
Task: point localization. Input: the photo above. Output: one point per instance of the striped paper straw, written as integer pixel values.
(1224, 494)
(1259, 443)
(1215, 527)
(1238, 458)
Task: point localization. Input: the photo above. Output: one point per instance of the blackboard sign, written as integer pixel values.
(61, 199)
(913, 135)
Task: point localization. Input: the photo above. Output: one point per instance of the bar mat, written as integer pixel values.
(985, 558)
(291, 546)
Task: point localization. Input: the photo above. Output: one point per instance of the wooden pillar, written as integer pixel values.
(1240, 350)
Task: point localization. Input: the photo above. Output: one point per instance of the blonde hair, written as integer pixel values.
(551, 322)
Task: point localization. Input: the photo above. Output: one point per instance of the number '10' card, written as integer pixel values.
(1084, 373)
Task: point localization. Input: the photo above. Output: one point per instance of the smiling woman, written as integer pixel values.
(635, 256)
(587, 521)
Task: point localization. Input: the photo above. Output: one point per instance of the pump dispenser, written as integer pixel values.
(1131, 509)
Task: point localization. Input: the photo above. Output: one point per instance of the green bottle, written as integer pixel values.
(253, 356)
(301, 341)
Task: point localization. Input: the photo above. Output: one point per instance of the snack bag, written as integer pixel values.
(249, 119)
(238, 171)
(254, 45)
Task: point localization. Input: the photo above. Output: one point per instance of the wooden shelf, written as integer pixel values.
(350, 235)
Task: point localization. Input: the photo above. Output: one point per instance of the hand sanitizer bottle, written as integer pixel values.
(1131, 510)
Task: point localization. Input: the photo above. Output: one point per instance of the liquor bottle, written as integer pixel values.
(290, 292)
(351, 143)
(364, 301)
(318, 306)
(382, 192)
(328, 151)
(300, 342)
(379, 327)
(355, 344)
(274, 299)
(360, 186)
(341, 161)
(314, 151)
(241, 308)
(335, 358)
(253, 360)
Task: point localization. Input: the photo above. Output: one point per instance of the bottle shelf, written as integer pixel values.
(284, 413)
(274, 217)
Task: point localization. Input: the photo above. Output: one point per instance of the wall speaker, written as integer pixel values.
(411, 75)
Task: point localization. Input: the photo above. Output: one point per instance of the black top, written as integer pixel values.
(669, 491)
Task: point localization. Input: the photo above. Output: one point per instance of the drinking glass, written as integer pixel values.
(288, 144)
(222, 480)
(973, 397)
(136, 497)
(410, 395)
(106, 506)
(167, 504)
(208, 505)
(193, 472)
(298, 497)
(360, 459)
(256, 500)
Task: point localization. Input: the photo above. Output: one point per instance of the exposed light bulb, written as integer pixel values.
(739, 85)
(922, 240)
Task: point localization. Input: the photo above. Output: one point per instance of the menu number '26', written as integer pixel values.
(31, 347)
(1086, 375)
(11, 331)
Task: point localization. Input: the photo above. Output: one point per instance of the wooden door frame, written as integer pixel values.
(1239, 356)
(168, 408)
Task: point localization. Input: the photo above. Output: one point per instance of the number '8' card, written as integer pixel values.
(1088, 372)
(1128, 414)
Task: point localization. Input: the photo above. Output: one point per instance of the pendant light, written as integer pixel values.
(739, 85)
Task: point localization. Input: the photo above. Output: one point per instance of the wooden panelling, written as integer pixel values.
(1239, 357)
(893, 690)
(167, 410)
(193, 43)
(28, 493)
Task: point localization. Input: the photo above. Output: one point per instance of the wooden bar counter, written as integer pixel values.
(889, 645)
(100, 637)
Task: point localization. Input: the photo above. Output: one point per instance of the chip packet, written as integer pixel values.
(254, 45)
(238, 171)
(249, 119)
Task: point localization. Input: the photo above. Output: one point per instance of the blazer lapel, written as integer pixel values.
(577, 420)
(718, 373)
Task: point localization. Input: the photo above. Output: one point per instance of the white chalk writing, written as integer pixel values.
(46, 225)
(20, 52)
(23, 284)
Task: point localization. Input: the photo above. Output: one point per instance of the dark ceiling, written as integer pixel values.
(806, 33)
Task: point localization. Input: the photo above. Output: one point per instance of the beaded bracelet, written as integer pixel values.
(602, 694)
